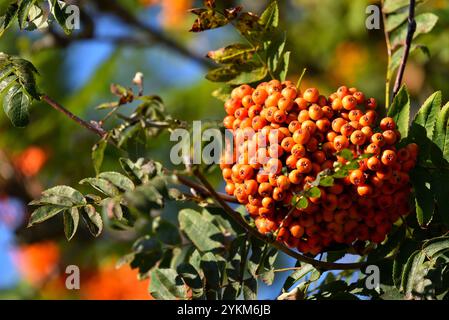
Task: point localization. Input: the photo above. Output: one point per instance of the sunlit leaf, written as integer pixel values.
(44, 213)
(425, 205)
(204, 234)
(166, 284)
(93, 220)
(71, 220)
(400, 111)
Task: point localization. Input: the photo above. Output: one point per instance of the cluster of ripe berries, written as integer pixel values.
(293, 137)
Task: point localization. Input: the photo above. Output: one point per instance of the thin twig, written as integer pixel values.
(203, 191)
(389, 53)
(408, 42)
(254, 232)
(95, 129)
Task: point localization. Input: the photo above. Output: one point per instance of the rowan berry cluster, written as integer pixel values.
(284, 138)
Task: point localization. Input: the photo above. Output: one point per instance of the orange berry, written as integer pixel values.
(358, 138)
(364, 190)
(349, 102)
(285, 104)
(337, 124)
(390, 137)
(315, 112)
(311, 95)
(342, 92)
(387, 124)
(265, 189)
(304, 165)
(297, 230)
(388, 157)
(301, 136)
(371, 104)
(283, 183)
(340, 143)
(295, 176)
(357, 177)
(374, 164)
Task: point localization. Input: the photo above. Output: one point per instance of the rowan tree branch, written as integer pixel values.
(322, 265)
(408, 42)
(95, 129)
(203, 191)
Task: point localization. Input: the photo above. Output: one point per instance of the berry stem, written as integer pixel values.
(255, 233)
(389, 53)
(408, 42)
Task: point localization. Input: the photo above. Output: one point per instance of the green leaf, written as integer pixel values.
(44, 213)
(211, 269)
(204, 234)
(441, 137)
(232, 291)
(423, 126)
(341, 173)
(303, 203)
(222, 74)
(400, 111)
(327, 181)
(394, 5)
(405, 251)
(267, 275)
(425, 22)
(119, 180)
(102, 185)
(191, 278)
(435, 246)
(15, 105)
(58, 10)
(254, 261)
(248, 25)
(98, 154)
(250, 289)
(208, 19)
(166, 284)
(250, 76)
(166, 232)
(146, 254)
(7, 19)
(300, 274)
(275, 51)
(112, 209)
(314, 192)
(93, 220)
(23, 12)
(145, 198)
(441, 192)
(68, 194)
(71, 220)
(395, 20)
(346, 154)
(235, 53)
(421, 180)
(270, 17)
(411, 271)
(238, 248)
(285, 64)
(427, 114)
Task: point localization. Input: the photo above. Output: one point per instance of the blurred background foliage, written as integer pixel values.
(118, 39)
